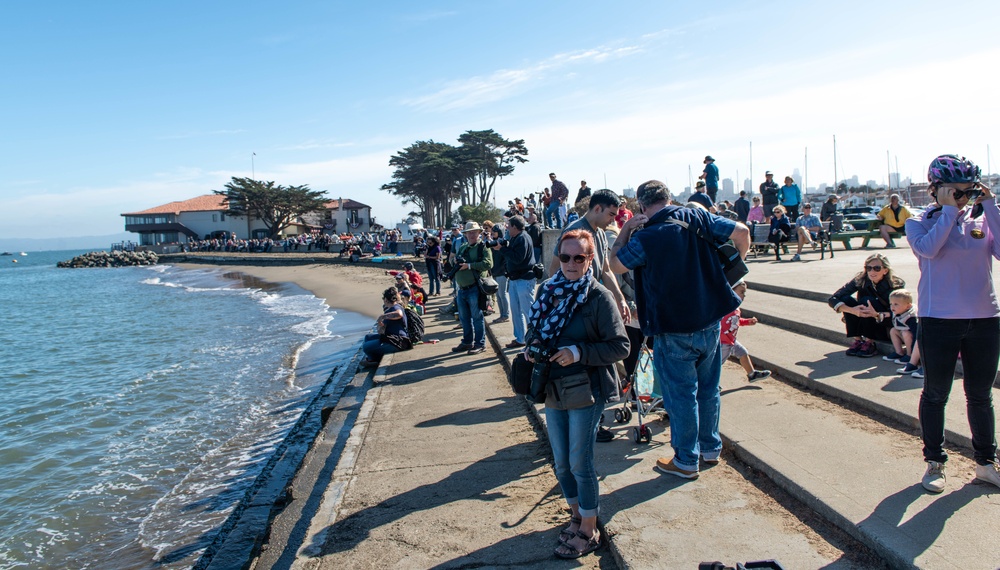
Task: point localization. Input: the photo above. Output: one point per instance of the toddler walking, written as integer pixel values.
(731, 324)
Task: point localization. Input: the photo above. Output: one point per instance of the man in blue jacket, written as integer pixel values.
(681, 293)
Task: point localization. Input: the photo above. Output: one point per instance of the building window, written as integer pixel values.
(215, 217)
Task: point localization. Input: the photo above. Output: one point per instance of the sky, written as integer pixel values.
(109, 107)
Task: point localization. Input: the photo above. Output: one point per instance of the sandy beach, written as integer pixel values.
(344, 287)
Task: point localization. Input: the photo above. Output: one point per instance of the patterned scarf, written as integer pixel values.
(556, 303)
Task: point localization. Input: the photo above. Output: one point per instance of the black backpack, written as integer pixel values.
(414, 325)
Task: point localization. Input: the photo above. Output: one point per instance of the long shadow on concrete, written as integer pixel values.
(471, 482)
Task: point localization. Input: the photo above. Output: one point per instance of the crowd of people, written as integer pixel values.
(616, 284)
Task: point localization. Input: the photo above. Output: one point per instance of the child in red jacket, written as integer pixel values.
(731, 324)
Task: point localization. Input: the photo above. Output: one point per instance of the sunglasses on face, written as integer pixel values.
(972, 193)
(873, 268)
(578, 259)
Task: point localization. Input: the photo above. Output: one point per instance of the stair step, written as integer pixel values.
(860, 475)
(870, 384)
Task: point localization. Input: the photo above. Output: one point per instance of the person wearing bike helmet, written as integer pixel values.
(957, 309)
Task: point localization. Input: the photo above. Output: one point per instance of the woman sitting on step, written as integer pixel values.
(864, 302)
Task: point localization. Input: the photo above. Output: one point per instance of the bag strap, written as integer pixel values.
(688, 227)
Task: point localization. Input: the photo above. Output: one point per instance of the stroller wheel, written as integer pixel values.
(620, 417)
(627, 413)
(646, 434)
(636, 435)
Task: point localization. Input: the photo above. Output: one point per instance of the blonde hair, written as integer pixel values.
(902, 294)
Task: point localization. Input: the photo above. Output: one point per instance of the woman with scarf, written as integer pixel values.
(575, 337)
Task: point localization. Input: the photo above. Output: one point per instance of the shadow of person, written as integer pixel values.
(497, 413)
(476, 481)
(920, 531)
(526, 550)
(903, 383)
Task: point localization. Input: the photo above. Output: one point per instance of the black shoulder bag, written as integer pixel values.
(732, 264)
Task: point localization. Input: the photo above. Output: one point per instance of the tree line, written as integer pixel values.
(435, 176)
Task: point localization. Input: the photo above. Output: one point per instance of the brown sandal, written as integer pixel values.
(593, 543)
(568, 534)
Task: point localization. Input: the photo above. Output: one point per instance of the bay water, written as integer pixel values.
(140, 403)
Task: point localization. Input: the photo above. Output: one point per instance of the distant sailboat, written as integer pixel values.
(22, 253)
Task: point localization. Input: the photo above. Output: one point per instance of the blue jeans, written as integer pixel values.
(503, 301)
(375, 349)
(471, 316)
(940, 341)
(552, 213)
(522, 295)
(571, 435)
(688, 368)
(433, 278)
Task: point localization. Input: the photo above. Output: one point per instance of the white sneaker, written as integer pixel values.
(988, 473)
(934, 478)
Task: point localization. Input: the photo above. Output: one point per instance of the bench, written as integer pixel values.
(866, 236)
(760, 232)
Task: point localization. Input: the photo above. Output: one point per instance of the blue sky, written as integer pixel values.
(111, 107)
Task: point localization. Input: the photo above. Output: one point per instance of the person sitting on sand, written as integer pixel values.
(391, 336)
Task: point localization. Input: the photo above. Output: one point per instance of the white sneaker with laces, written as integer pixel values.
(988, 473)
(934, 478)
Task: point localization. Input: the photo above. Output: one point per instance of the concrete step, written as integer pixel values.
(795, 310)
(861, 476)
(658, 521)
(870, 385)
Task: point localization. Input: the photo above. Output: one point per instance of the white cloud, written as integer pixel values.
(503, 84)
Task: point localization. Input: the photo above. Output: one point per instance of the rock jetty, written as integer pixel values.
(112, 259)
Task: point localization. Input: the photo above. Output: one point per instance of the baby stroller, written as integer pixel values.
(641, 395)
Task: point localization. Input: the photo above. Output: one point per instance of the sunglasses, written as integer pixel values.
(972, 193)
(873, 268)
(578, 259)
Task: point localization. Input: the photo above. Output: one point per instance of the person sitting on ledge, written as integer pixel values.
(864, 302)
(391, 336)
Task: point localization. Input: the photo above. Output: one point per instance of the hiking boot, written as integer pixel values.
(855, 346)
(918, 373)
(796, 257)
(758, 374)
(934, 478)
(668, 467)
(908, 369)
(894, 357)
(988, 473)
(462, 347)
(477, 349)
(867, 349)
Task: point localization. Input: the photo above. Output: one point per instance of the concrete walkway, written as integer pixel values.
(446, 468)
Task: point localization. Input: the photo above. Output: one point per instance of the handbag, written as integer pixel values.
(569, 392)
(520, 375)
(488, 285)
(729, 257)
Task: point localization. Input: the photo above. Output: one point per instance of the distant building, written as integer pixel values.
(204, 217)
(728, 186)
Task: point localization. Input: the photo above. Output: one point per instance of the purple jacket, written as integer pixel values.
(956, 269)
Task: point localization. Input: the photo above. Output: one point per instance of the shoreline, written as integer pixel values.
(341, 287)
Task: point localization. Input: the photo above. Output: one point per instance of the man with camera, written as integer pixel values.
(682, 293)
(519, 255)
(474, 261)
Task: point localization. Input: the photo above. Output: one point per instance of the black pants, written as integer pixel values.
(867, 326)
(941, 340)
